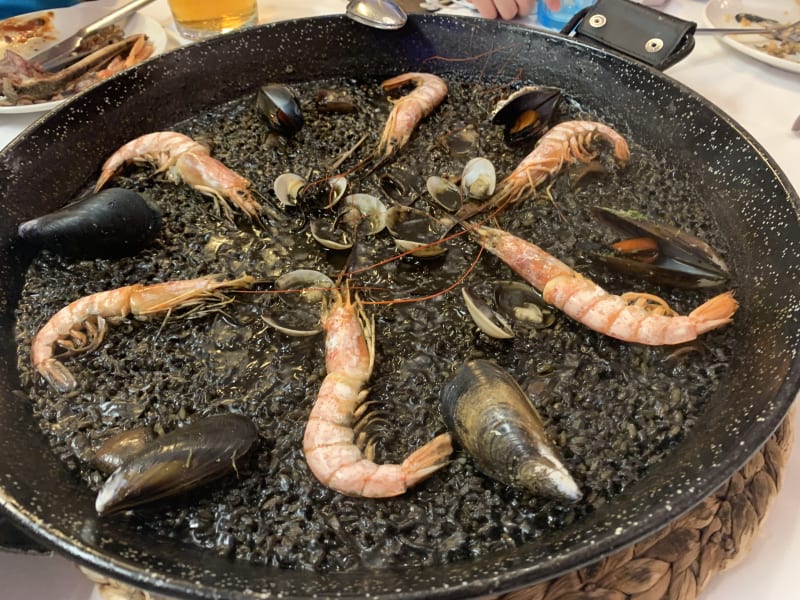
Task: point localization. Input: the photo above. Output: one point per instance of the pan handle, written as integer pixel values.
(14, 540)
(638, 31)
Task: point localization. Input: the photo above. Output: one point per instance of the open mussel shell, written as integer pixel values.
(490, 416)
(177, 462)
(526, 114)
(673, 257)
(478, 179)
(522, 305)
(416, 232)
(298, 311)
(112, 223)
(279, 106)
(488, 320)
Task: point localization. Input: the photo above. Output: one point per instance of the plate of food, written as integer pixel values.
(747, 14)
(26, 88)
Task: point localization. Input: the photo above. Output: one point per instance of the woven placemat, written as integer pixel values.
(674, 564)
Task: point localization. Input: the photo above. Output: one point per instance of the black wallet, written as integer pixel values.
(638, 31)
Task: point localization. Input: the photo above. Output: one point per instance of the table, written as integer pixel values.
(764, 100)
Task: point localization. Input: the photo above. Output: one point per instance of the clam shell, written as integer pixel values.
(178, 462)
(491, 417)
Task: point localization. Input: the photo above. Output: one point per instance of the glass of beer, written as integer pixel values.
(199, 19)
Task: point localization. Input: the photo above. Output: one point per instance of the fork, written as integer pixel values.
(784, 33)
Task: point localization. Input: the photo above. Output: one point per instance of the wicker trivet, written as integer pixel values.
(674, 564)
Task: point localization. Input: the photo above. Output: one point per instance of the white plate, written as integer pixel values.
(721, 13)
(67, 21)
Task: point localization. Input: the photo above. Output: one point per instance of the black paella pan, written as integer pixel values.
(751, 200)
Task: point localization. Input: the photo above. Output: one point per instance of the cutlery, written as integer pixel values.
(61, 54)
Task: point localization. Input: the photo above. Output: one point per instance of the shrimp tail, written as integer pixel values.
(715, 312)
(428, 459)
(57, 375)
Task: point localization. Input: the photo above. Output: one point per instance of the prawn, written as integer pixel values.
(565, 143)
(409, 110)
(184, 160)
(631, 317)
(81, 325)
(329, 441)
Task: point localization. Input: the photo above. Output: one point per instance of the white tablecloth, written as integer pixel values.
(765, 101)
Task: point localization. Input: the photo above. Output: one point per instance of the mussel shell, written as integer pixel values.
(112, 223)
(117, 449)
(279, 106)
(178, 462)
(490, 416)
(526, 114)
(682, 260)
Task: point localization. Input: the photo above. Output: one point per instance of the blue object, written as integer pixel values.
(9, 8)
(554, 14)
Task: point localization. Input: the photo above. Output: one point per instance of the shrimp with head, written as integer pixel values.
(82, 325)
(409, 110)
(329, 442)
(631, 317)
(183, 159)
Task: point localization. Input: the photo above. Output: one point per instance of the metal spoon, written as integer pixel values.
(786, 33)
(381, 14)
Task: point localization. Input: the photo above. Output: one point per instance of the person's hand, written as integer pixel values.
(505, 9)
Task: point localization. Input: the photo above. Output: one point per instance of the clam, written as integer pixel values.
(111, 223)
(287, 188)
(329, 234)
(660, 253)
(177, 462)
(364, 212)
(401, 185)
(522, 305)
(490, 416)
(444, 193)
(486, 318)
(462, 142)
(416, 232)
(335, 101)
(337, 187)
(478, 179)
(526, 114)
(279, 106)
(297, 312)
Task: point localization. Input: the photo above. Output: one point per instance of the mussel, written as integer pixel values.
(489, 415)
(279, 106)
(112, 223)
(660, 253)
(119, 448)
(526, 114)
(178, 462)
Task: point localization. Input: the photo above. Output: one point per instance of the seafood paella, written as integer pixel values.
(348, 291)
